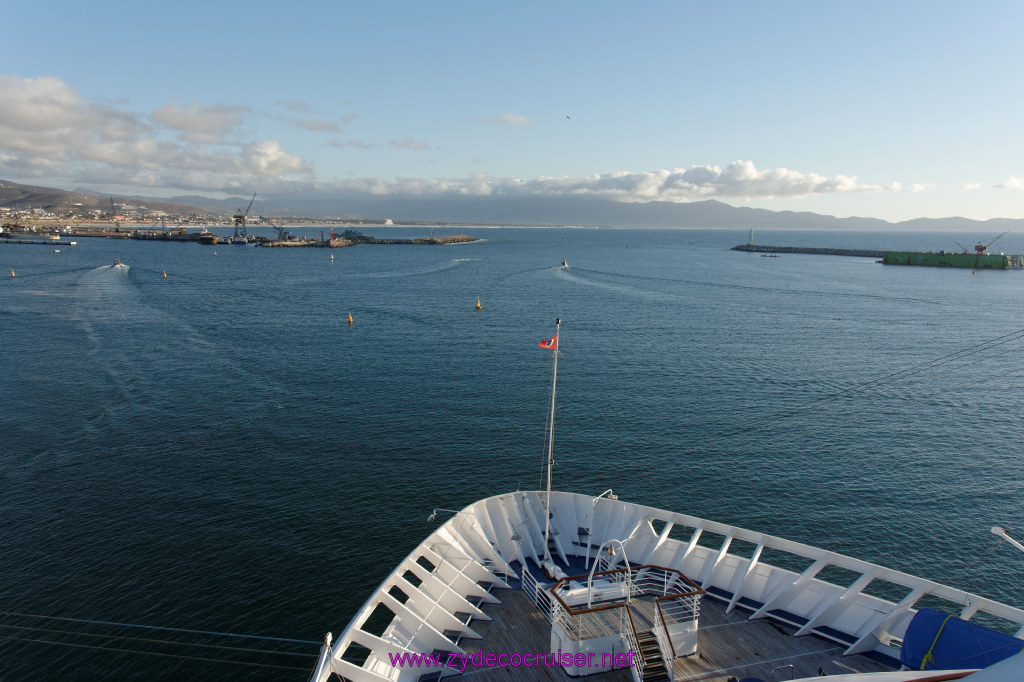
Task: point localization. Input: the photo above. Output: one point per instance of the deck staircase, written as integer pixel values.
(654, 662)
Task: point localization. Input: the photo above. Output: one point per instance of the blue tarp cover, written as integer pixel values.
(938, 641)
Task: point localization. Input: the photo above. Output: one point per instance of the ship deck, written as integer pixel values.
(729, 646)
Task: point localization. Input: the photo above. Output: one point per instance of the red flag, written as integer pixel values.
(551, 344)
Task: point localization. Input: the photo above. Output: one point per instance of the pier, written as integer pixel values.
(47, 242)
(980, 260)
(351, 238)
(818, 251)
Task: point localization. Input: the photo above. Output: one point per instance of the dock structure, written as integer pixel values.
(46, 242)
(351, 238)
(313, 243)
(945, 259)
(935, 259)
(813, 250)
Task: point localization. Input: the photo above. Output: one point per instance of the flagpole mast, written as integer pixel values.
(551, 443)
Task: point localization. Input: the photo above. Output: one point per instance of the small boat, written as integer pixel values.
(116, 262)
(564, 264)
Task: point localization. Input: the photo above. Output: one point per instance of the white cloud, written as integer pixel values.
(349, 144)
(509, 119)
(307, 118)
(409, 143)
(738, 180)
(48, 130)
(297, 107)
(316, 125)
(45, 116)
(267, 158)
(922, 187)
(1013, 183)
(971, 186)
(196, 123)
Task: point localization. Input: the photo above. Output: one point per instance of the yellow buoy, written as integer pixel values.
(165, 274)
(350, 318)
(332, 257)
(478, 306)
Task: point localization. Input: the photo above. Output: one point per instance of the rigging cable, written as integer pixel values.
(150, 641)
(158, 627)
(152, 653)
(887, 378)
(42, 631)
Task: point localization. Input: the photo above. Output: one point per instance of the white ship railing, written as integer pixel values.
(540, 597)
(754, 572)
(769, 577)
(628, 629)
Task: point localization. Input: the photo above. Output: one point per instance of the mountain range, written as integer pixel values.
(494, 211)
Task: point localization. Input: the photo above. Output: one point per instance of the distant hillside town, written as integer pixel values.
(45, 206)
(125, 213)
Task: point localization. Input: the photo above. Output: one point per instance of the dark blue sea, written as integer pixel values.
(219, 451)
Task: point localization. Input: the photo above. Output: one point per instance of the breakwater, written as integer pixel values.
(351, 238)
(942, 259)
(759, 248)
(46, 242)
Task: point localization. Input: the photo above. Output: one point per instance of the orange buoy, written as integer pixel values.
(350, 318)
(165, 274)
(12, 273)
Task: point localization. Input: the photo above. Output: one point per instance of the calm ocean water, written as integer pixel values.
(218, 450)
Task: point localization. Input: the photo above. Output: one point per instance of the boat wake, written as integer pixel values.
(397, 274)
(583, 277)
(712, 285)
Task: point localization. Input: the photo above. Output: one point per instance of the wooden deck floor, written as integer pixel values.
(728, 646)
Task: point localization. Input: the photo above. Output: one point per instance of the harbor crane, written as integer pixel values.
(282, 235)
(240, 217)
(982, 248)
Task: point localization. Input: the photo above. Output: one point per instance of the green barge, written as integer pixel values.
(944, 259)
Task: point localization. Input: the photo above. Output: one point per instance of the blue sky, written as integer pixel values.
(893, 110)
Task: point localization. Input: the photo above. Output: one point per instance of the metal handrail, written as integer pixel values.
(619, 574)
(647, 579)
(685, 607)
(641, 660)
(664, 626)
(541, 599)
(792, 671)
